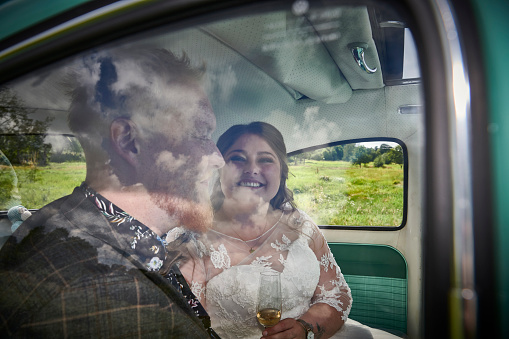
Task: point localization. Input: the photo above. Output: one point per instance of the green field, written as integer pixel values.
(331, 192)
(41, 185)
(337, 193)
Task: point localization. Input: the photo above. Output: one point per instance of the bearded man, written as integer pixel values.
(96, 263)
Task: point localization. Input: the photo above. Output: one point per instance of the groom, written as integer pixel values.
(95, 263)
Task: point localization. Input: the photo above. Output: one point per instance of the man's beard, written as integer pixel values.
(194, 216)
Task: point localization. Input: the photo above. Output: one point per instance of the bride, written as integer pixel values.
(257, 227)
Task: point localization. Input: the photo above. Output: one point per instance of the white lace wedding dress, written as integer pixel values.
(309, 274)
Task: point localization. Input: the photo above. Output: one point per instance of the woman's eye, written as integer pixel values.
(266, 160)
(237, 158)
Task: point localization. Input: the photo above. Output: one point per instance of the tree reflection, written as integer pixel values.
(21, 143)
(22, 138)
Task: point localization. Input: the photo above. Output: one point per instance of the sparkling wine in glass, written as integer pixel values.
(268, 310)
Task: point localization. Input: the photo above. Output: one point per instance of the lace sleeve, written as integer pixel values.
(193, 269)
(332, 288)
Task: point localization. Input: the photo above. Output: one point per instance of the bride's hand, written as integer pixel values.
(285, 329)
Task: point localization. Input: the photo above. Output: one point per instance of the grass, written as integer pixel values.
(39, 186)
(331, 192)
(337, 193)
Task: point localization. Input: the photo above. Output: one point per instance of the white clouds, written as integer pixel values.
(167, 162)
(128, 75)
(221, 81)
(306, 129)
(314, 129)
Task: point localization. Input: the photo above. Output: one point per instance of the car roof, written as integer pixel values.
(322, 89)
(18, 15)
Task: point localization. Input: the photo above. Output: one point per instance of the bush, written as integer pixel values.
(378, 162)
(317, 156)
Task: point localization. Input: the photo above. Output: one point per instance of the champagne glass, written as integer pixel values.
(268, 308)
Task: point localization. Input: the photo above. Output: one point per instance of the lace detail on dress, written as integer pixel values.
(198, 290)
(219, 258)
(281, 246)
(327, 260)
(282, 260)
(262, 262)
(309, 275)
(308, 228)
(331, 298)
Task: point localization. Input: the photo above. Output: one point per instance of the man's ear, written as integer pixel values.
(123, 134)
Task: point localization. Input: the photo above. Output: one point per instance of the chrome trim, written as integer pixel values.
(392, 24)
(463, 294)
(357, 49)
(410, 109)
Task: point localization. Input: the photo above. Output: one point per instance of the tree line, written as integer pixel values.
(23, 138)
(356, 154)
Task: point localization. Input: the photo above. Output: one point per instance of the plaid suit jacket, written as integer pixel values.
(67, 273)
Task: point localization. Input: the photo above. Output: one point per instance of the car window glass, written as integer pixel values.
(340, 82)
(294, 68)
(351, 184)
(410, 60)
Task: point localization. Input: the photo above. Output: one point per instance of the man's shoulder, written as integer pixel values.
(48, 235)
(54, 208)
(58, 207)
(54, 263)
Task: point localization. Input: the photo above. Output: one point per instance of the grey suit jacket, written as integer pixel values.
(67, 273)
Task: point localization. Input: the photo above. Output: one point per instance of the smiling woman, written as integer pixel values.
(255, 231)
(253, 214)
(416, 221)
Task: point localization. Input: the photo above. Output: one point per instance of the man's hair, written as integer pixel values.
(121, 83)
(275, 140)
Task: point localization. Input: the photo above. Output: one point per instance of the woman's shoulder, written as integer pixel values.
(299, 219)
(296, 214)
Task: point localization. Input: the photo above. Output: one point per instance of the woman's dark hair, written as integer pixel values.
(275, 140)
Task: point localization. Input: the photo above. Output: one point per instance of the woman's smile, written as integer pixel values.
(252, 184)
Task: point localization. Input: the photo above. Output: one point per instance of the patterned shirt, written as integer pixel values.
(149, 247)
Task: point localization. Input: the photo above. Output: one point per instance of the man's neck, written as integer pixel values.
(136, 201)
